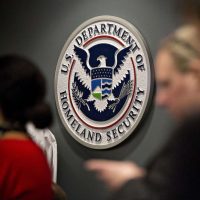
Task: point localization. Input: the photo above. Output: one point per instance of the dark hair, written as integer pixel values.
(22, 92)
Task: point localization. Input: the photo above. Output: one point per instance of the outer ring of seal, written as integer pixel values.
(151, 77)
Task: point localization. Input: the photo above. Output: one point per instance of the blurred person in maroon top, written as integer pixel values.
(174, 171)
(24, 171)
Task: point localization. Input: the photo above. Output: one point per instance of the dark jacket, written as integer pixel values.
(174, 174)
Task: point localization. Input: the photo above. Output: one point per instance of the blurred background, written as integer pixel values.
(39, 29)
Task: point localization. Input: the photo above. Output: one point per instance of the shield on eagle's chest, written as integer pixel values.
(101, 82)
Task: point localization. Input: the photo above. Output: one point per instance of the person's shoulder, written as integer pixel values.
(16, 146)
(190, 126)
(15, 143)
(187, 137)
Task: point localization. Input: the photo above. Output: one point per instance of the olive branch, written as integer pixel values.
(125, 91)
(78, 97)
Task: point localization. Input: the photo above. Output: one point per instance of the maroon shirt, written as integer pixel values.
(24, 172)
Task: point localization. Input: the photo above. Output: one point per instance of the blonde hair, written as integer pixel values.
(184, 46)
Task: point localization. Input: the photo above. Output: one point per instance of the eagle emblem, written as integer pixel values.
(103, 74)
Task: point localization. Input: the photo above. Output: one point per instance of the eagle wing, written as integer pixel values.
(84, 71)
(120, 72)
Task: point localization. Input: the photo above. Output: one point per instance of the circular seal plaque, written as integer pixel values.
(103, 82)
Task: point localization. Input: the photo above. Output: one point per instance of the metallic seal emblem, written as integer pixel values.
(103, 82)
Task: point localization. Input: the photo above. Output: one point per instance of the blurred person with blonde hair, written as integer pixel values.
(174, 173)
